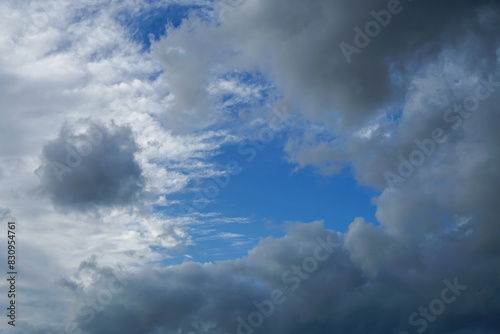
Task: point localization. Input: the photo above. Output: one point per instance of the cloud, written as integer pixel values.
(91, 168)
(340, 294)
(411, 79)
(296, 46)
(437, 228)
(5, 214)
(440, 223)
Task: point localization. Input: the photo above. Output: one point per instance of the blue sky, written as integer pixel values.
(220, 167)
(153, 21)
(270, 195)
(269, 191)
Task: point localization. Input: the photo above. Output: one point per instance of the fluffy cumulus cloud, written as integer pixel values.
(92, 168)
(84, 159)
(403, 93)
(412, 109)
(358, 67)
(313, 280)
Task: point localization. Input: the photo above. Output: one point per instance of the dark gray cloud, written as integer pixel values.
(433, 264)
(438, 227)
(298, 45)
(373, 108)
(341, 294)
(91, 165)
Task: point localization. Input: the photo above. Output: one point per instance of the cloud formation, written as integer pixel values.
(94, 167)
(313, 280)
(438, 229)
(371, 110)
(388, 95)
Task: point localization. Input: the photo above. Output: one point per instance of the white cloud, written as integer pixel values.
(81, 64)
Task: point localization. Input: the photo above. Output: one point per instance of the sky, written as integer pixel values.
(250, 166)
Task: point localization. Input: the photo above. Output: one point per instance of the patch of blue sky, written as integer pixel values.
(268, 193)
(152, 21)
(219, 249)
(258, 90)
(210, 242)
(155, 75)
(395, 117)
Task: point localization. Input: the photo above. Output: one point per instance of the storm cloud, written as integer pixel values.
(313, 280)
(432, 265)
(403, 94)
(298, 45)
(367, 106)
(91, 166)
